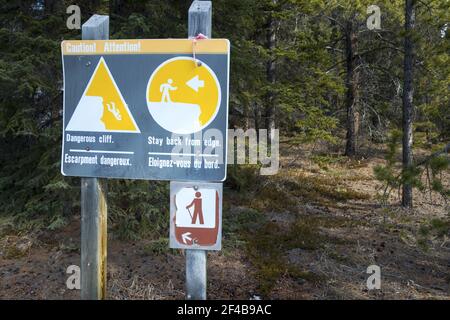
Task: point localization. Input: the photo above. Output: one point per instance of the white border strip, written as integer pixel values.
(101, 151)
(183, 154)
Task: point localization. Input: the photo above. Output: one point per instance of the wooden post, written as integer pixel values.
(200, 18)
(93, 204)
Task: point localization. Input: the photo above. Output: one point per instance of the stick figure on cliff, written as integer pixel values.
(165, 88)
(198, 212)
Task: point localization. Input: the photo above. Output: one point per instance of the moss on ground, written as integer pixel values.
(268, 246)
(267, 243)
(287, 191)
(159, 246)
(433, 229)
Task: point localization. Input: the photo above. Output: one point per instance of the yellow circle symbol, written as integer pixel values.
(182, 96)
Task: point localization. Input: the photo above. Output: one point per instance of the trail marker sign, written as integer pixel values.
(195, 215)
(146, 109)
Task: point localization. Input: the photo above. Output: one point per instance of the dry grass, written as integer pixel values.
(134, 289)
(15, 246)
(123, 287)
(309, 232)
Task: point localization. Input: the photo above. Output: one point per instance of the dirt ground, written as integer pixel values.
(349, 229)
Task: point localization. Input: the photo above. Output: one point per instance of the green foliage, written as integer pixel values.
(139, 209)
(285, 192)
(242, 177)
(316, 126)
(235, 223)
(438, 227)
(269, 244)
(438, 165)
(393, 178)
(309, 95)
(388, 174)
(33, 193)
(324, 160)
(431, 230)
(159, 246)
(32, 190)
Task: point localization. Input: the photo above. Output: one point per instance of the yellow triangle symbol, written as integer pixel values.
(102, 107)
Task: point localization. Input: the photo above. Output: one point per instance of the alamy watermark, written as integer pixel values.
(374, 280)
(206, 147)
(374, 20)
(74, 20)
(74, 280)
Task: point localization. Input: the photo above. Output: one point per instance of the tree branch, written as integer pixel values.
(446, 149)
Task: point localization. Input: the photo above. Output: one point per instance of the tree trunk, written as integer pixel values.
(257, 115)
(351, 84)
(408, 92)
(270, 73)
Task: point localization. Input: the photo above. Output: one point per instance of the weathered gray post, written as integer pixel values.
(93, 204)
(200, 21)
(200, 18)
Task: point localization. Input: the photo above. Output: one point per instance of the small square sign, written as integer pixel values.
(195, 215)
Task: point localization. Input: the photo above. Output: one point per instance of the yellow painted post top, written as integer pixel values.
(143, 46)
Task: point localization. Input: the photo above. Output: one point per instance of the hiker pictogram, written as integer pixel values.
(165, 88)
(102, 106)
(196, 208)
(197, 204)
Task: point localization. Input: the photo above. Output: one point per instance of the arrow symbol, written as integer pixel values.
(195, 83)
(186, 237)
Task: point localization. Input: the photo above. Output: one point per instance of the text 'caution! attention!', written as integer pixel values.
(146, 109)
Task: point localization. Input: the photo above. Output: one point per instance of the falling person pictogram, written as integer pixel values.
(101, 107)
(198, 212)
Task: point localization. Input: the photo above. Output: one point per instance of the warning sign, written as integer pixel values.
(182, 96)
(146, 109)
(102, 107)
(195, 215)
